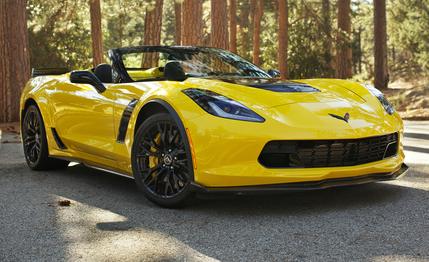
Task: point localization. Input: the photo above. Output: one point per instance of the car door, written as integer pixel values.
(83, 119)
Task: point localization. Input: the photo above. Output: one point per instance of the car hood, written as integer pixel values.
(313, 104)
(266, 93)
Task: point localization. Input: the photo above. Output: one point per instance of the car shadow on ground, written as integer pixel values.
(281, 203)
(344, 219)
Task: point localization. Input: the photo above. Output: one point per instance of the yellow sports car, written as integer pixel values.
(181, 120)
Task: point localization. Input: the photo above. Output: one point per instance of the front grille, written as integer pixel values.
(328, 153)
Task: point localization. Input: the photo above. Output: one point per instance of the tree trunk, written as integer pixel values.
(344, 51)
(380, 45)
(232, 25)
(243, 25)
(178, 22)
(360, 50)
(327, 45)
(219, 24)
(259, 11)
(14, 57)
(283, 37)
(96, 32)
(152, 32)
(192, 27)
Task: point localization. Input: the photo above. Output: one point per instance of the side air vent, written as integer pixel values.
(125, 119)
(57, 138)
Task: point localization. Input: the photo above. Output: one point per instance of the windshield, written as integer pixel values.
(148, 64)
(216, 62)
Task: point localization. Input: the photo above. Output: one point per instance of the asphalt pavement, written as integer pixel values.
(109, 220)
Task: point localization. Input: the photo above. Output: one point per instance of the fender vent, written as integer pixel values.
(125, 119)
(58, 140)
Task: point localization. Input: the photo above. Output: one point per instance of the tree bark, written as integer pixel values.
(243, 25)
(283, 37)
(152, 32)
(327, 45)
(259, 11)
(96, 32)
(380, 45)
(14, 57)
(232, 26)
(219, 24)
(178, 22)
(192, 23)
(344, 51)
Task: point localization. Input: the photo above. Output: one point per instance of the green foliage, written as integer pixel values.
(307, 55)
(409, 35)
(59, 33)
(124, 22)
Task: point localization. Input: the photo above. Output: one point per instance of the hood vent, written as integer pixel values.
(274, 85)
(287, 87)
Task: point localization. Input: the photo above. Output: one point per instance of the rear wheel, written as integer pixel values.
(35, 143)
(161, 161)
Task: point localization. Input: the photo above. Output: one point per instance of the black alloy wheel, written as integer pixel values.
(32, 136)
(35, 143)
(162, 163)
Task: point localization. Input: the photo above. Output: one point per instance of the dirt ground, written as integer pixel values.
(410, 98)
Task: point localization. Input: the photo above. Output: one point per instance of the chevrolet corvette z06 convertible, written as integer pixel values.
(184, 120)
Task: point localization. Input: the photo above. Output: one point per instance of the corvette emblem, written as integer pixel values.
(345, 118)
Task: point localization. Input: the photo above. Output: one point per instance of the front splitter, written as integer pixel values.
(302, 186)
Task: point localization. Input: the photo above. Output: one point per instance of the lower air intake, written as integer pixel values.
(328, 153)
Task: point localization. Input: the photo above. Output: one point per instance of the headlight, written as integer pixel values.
(384, 102)
(222, 106)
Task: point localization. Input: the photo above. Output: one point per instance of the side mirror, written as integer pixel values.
(274, 73)
(86, 77)
(173, 71)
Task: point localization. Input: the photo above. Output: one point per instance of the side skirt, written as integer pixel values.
(70, 159)
(108, 171)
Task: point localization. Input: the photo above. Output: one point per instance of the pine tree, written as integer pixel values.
(233, 26)
(344, 51)
(178, 22)
(380, 45)
(96, 32)
(152, 32)
(192, 22)
(283, 37)
(219, 24)
(14, 57)
(259, 12)
(327, 44)
(244, 23)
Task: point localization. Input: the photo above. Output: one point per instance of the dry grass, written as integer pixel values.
(10, 127)
(12, 131)
(411, 99)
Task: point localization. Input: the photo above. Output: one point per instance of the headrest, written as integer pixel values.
(104, 73)
(173, 71)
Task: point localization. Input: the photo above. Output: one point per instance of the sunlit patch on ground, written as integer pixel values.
(96, 234)
(397, 259)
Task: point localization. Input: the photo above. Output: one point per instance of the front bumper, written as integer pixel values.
(311, 185)
(225, 152)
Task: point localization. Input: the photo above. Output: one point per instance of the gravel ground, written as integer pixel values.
(108, 219)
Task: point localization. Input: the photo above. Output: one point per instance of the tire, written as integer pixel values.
(162, 162)
(35, 144)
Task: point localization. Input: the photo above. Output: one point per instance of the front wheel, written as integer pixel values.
(161, 160)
